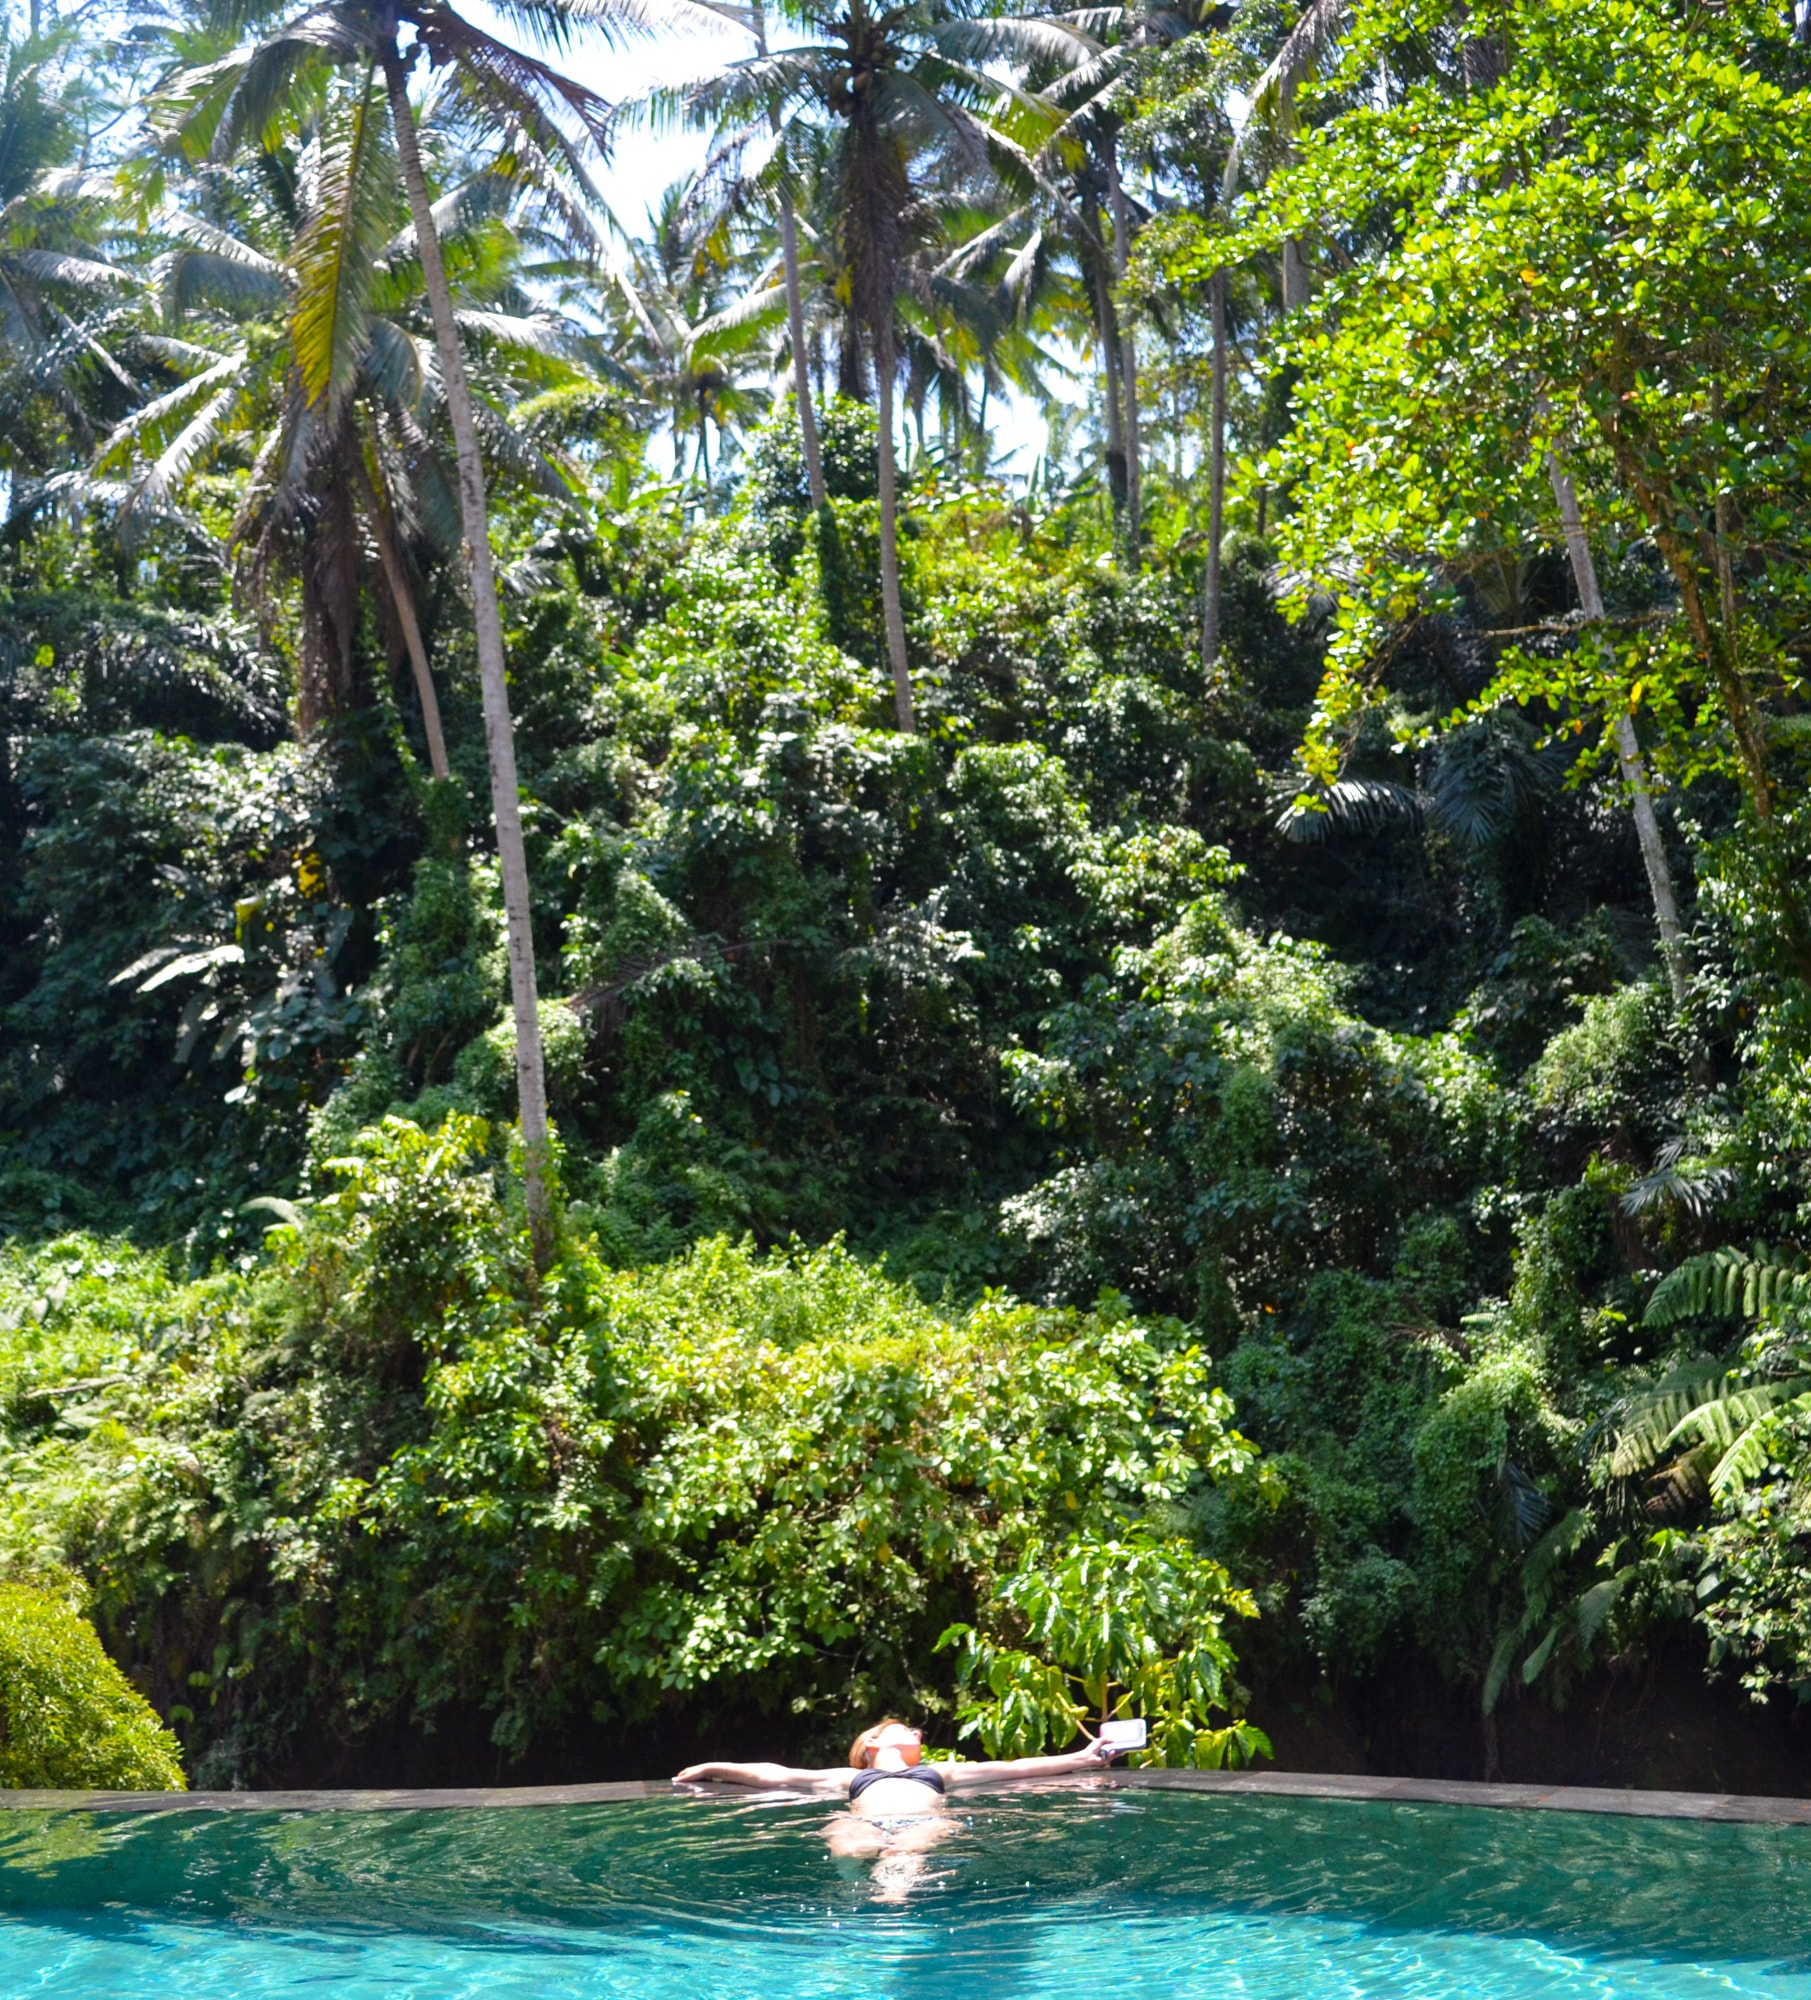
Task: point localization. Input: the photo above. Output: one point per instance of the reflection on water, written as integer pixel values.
(1075, 1893)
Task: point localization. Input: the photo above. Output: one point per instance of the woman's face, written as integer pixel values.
(898, 1736)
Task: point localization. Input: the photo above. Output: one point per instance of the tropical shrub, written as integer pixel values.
(391, 1472)
(69, 1719)
(1228, 1128)
(1131, 1626)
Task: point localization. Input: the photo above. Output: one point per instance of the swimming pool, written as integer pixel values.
(1075, 1893)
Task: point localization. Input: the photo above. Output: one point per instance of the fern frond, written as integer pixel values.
(1727, 1284)
(1746, 1458)
(1721, 1420)
(1650, 1421)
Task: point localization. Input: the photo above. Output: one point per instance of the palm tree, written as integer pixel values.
(977, 301)
(795, 298)
(230, 394)
(695, 326)
(903, 91)
(63, 300)
(227, 105)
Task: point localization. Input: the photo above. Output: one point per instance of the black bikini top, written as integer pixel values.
(920, 1774)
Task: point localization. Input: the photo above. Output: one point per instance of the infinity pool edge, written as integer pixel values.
(1624, 1802)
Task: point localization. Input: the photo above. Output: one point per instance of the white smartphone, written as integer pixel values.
(1127, 1735)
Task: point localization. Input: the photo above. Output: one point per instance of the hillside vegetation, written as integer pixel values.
(1214, 1035)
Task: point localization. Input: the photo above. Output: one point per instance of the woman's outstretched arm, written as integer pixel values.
(1090, 1757)
(769, 1775)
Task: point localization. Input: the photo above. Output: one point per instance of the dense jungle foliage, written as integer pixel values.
(1210, 1044)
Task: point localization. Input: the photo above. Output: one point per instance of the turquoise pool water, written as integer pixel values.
(1078, 1894)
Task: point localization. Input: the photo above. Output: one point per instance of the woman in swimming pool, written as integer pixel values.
(898, 1804)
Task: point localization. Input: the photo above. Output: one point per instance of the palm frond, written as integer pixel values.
(516, 85)
(1272, 97)
(1484, 776)
(336, 259)
(252, 93)
(1350, 805)
(152, 418)
(155, 489)
(761, 306)
(63, 267)
(1271, 100)
(1023, 41)
(191, 278)
(1696, 1189)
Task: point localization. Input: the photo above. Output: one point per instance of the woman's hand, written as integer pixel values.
(696, 1774)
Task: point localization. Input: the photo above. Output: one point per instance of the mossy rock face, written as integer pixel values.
(69, 1719)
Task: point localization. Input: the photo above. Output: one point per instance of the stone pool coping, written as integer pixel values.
(1248, 1784)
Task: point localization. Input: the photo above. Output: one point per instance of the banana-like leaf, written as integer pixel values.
(1531, 1667)
(1595, 1606)
(158, 955)
(288, 1215)
(194, 961)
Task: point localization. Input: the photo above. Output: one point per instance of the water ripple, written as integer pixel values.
(1083, 1892)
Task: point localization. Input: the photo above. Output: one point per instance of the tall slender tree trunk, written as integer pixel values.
(1095, 257)
(1628, 750)
(531, 1077)
(1719, 644)
(801, 364)
(1128, 350)
(1216, 484)
(411, 628)
(891, 608)
(1118, 463)
(795, 304)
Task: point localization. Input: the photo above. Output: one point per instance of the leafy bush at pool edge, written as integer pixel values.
(69, 1719)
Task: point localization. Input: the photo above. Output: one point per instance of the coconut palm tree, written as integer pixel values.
(795, 298)
(904, 90)
(325, 470)
(1086, 152)
(978, 305)
(63, 300)
(229, 105)
(696, 326)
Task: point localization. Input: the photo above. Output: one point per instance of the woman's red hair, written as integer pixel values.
(861, 1751)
